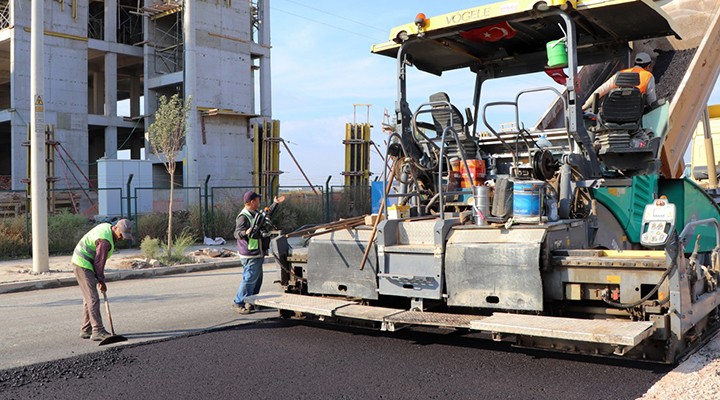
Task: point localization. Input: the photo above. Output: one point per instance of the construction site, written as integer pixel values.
(585, 234)
(106, 65)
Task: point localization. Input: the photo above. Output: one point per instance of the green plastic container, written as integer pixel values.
(557, 53)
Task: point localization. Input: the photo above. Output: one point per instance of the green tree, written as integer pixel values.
(167, 136)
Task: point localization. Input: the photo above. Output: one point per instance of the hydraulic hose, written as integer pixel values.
(671, 249)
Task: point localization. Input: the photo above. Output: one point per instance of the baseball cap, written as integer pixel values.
(642, 58)
(250, 196)
(125, 229)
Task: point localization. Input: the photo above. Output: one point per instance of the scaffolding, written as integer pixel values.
(4, 14)
(254, 21)
(96, 20)
(166, 18)
(130, 23)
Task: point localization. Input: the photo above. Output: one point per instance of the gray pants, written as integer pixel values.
(91, 318)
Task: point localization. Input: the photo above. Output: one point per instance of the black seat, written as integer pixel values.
(623, 107)
(441, 114)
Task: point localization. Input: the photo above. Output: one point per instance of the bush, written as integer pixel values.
(65, 230)
(13, 239)
(150, 247)
(300, 208)
(154, 248)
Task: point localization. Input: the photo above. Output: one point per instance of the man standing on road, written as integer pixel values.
(251, 249)
(89, 259)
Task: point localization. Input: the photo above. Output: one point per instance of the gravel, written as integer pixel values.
(696, 378)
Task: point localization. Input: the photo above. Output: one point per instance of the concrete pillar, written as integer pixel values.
(191, 141)
(135, 147)
(38, 175)
(20, 102)
(98, 93)
(135, 92)
(111, 84)
(111, 12)
(264, 40)
(111, 143)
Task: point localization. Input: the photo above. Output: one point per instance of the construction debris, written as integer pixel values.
(214, 253)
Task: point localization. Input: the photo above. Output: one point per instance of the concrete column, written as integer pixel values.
(111, 84)
(135, 92)
(38, 175)
(136, 145)
(111, 13)
(111, 143)
(20, 102)
(191, 141)
(98, 94)
(264, 40)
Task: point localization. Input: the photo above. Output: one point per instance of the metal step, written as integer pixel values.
(433, 319)
(390, 317)
(307, 304)
(613, 332)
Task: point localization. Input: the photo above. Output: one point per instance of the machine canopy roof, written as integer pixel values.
(510, 37)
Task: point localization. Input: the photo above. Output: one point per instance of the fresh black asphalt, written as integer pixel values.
(280, 359)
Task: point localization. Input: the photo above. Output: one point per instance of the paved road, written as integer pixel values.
(269, 359)
(277, 359)
(44, 325)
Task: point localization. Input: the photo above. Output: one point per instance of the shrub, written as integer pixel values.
(13, 239)
(177, 252)
(154, 248)
(150, 247)
(65, 230)
(298, 209)
(155, 224)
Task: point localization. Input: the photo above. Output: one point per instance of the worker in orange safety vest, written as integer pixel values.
(646, 86)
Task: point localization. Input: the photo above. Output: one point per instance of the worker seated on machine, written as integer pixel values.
(642, 67)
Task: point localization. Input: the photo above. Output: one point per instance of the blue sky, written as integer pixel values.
(322, 65)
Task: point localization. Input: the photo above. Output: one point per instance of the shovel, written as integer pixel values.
(114, 338)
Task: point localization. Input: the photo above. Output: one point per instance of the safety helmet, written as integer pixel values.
(642, 58)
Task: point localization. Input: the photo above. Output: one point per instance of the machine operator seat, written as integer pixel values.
(441, 115)
(623, 106)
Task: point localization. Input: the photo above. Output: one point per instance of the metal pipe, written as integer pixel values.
(709, 151)
(207, 180)
(129, 208)
(38, 176)
(327, 198)
(565, 191)
(710, 221)
(298, 165)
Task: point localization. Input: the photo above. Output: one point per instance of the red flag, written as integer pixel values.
(491, 33)
(557, 74)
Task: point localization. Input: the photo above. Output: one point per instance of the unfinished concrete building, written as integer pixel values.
(106, 65)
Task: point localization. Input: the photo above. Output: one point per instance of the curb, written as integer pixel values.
(24, 286)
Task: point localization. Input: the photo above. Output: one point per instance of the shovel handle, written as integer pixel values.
(107, 308)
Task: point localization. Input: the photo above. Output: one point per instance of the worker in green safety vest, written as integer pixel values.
(251, 248)
(89, 259)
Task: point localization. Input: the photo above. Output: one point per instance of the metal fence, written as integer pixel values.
(200, 211)
(348, 201)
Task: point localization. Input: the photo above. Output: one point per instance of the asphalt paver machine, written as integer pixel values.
(572, 236)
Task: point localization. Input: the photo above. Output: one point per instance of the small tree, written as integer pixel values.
(167, 136)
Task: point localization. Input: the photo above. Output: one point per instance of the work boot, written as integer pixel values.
(85, 334)
(241, 308)
(100, 335)
(250, 307)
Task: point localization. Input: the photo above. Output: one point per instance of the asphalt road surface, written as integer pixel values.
(276, 359)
